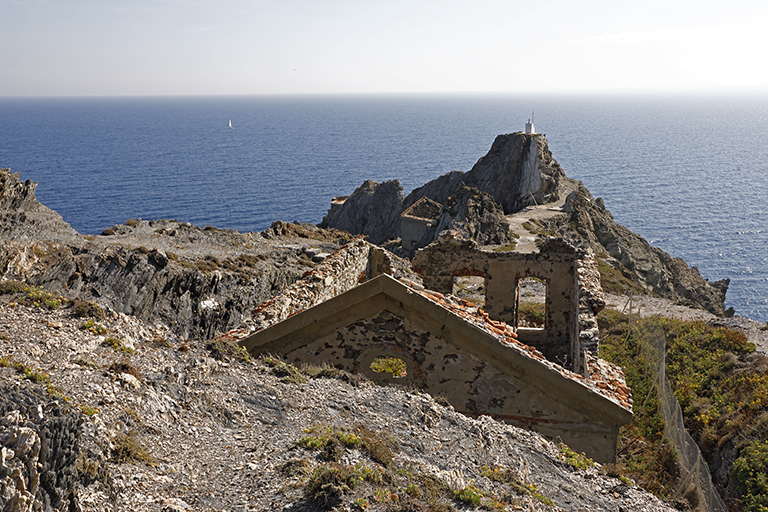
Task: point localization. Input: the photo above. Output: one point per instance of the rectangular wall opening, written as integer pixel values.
(532, 303)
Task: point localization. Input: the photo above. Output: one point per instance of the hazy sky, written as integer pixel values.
(179, 47)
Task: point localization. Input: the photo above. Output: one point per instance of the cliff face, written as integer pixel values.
(22, 217)
(473, 215)
(588, 221)
(200, 281)
(518, 170)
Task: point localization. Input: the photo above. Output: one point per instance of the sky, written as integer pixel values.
(224, 47)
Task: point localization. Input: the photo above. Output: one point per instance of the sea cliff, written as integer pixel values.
(518, 175)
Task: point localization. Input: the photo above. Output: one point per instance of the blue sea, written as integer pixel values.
(690, 174)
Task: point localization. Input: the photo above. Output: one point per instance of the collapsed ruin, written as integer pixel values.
(359, 307)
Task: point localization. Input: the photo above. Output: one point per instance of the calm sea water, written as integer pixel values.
(689, 174)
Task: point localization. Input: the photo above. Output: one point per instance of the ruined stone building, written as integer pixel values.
(416, 219)
(357, 308)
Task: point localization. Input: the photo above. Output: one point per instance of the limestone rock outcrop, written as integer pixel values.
(373, 209)
(22, 217)
(473, 215)
(200, 281)
(517, 171)
(588, 221)
(39, 441)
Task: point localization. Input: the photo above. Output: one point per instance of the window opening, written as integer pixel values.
(532, 303)
(392, 365)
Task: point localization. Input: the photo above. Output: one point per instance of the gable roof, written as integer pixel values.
(424, 209)
(457, 322)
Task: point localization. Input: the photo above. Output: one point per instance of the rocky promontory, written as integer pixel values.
(517, 178)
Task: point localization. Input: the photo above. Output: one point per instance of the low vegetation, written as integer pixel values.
(88, 309)
(376, 477)
(392, 365)
(614, 280)
(35, 375)
(531, 314)
(722, 387)
(224, 349)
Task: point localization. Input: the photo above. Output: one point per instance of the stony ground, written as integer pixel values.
(177, 428)
(524, 222)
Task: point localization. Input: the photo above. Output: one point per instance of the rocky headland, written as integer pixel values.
(517, 179)
(123, 391)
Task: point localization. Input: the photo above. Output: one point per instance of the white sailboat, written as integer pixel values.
(230, 125)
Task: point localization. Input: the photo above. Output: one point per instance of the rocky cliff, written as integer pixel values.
(588, 222)
(519, 172)
(22, 217)
(200, 281)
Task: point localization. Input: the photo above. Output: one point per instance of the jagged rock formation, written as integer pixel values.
(473, 215)
(588, 221)
(373, 210)
(40, 449)
(22, 217)
(200, 281)
(517, 171)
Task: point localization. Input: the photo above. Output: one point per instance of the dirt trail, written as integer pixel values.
(527, 241)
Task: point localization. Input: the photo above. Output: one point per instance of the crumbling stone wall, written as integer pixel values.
(591, 302)
(351, 265)
(474, 386)
(573, 295)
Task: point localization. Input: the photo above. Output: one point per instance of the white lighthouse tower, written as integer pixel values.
(529, 125)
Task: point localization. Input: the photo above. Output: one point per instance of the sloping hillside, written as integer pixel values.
(116, 414)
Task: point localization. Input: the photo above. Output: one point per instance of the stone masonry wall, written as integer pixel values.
(574, 295)
(349, 266)
(472, 385)
(591, 302)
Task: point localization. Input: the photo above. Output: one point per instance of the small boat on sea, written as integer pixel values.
(230, 125)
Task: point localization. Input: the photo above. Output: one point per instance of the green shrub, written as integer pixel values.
(750, 474)
(11, 287)
(287, 372)
(127, 447)
(330, 482)
(574, 459)
(117, 345)
(40, 298)
(225, 349)
(93, 327)
(531, 314)
(85, 309)
(392, 365)
(470, 495)
(722, 387)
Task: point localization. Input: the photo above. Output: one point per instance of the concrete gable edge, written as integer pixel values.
(385, 292)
